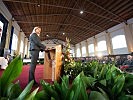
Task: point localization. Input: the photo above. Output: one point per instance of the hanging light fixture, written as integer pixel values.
(38, 5)
(63, 33)
(81, 12)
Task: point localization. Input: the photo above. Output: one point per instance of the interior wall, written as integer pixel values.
(114, 31)
(90, 42)
(4, 11)
(83, 48)
(101, 38)
(78, 52)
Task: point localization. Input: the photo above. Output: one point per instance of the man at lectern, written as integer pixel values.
(35, 48)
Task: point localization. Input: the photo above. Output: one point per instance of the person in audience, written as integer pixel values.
(105, 60)
(118, 61)
(35, 47)
(3, 62)
(127, 63)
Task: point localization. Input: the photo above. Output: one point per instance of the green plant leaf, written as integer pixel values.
(0, 88)
(103, 71)
(69, 95)
(108, 75)
(94, 95)
(126, 97)
(79, 87)
(42, 95)
(51, 92)
(96, 72)
(64, 87)
(88, 81)
(26, 91)
(104, 93)
(4, 98)
(83, 91)
(129, 80)
(118, 85)
(58, 89)
(11, 73)
(103, 82)
(14, 90)
(9, 88)
(32, 95)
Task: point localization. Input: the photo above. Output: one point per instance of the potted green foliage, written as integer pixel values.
(10, 90)
(109, 80)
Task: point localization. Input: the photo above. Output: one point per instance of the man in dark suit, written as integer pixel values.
(35, 48)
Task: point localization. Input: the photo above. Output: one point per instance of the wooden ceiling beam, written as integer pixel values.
(41, 15)
(60, 27)
(124, 8)
(33, 15)
(61, 24)
(92, 2)
(64, 8)
(88, 22)
(121, 4)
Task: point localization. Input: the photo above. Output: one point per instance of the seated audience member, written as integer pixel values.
(118, 61)
(3, 63)
(105, 60)
(127, 63)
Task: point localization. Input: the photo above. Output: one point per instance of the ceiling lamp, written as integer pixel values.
(81, 12)
(47, 35)
(38, 5)
(63, 33)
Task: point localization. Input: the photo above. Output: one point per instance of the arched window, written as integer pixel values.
(83, 51)
(101, 46)
(91, 48)
(78, 52)
(72, 52)
(119, 41)
(14, 42)
(21, 46)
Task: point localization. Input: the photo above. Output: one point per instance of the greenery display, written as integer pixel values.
(68, 60)
(65, 91)
(90, 81)
(109, 80)
(10, 90)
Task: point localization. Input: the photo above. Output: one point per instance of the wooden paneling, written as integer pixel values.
(64, 16)
(55, 54)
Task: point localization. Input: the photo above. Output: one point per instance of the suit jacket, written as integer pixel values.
(35, 43)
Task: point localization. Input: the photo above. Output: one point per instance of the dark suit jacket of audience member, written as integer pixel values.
(128, 62)
(119, 62)
(35, 43)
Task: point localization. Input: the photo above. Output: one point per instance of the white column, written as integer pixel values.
(87, 52)
(80, 46)
(75, 51)
(28, 53)
(8, 34)
(24, 48)
(129, 37)
(95, 46)
(109, 43)
(19, 43)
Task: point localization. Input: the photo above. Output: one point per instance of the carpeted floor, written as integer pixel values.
(23, 78)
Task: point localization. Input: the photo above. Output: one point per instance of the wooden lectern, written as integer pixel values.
(53, 63)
